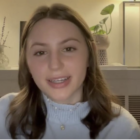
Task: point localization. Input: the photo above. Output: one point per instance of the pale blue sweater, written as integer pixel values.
(122, 127)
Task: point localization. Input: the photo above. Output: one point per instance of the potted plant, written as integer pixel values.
(100, 34)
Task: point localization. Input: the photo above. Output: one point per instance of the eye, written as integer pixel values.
(69, 49)
(39, 53)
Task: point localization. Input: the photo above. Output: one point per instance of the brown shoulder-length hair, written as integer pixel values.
(27, 111)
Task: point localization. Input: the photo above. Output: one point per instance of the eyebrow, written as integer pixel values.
(69, 39)
(62, 42)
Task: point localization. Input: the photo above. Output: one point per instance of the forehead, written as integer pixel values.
(53, 28)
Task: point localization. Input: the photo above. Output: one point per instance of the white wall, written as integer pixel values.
(132, 34)
(20, 10)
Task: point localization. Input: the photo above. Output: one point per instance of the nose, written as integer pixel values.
(55, 61)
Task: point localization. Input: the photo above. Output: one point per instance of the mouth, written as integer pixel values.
(59, 82)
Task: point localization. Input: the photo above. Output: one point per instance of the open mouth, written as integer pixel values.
(59, 82)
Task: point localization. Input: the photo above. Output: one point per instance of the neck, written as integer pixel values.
(65, 112)
(70, 101)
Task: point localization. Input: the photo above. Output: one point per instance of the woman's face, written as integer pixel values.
(57, 57)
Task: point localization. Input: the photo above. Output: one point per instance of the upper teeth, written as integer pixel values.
(60, 79)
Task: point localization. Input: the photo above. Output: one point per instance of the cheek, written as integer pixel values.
(77, 65)
(36, 67)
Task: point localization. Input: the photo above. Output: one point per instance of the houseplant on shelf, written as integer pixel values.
(4, 61)
(100, 35)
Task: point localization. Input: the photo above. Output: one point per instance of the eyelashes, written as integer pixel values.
(68, 49)
(39, 53)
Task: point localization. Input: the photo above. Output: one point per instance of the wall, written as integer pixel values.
(132, 34)
(20, 10)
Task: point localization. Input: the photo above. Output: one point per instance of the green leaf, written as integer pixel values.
(103, 21)
(101, 26)
(107, 10)
(97, 27)
(101, 32)
(92, 28)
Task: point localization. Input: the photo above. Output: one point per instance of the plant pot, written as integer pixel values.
(4, 61)
(102, 43)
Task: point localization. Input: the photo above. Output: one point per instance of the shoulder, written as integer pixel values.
(124, 126)
(4, 107)
(6, 100)
(125, 117)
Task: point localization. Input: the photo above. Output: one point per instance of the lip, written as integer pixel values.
(59, 85)
(58, 77)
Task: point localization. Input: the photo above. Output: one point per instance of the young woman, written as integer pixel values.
(62, 91)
